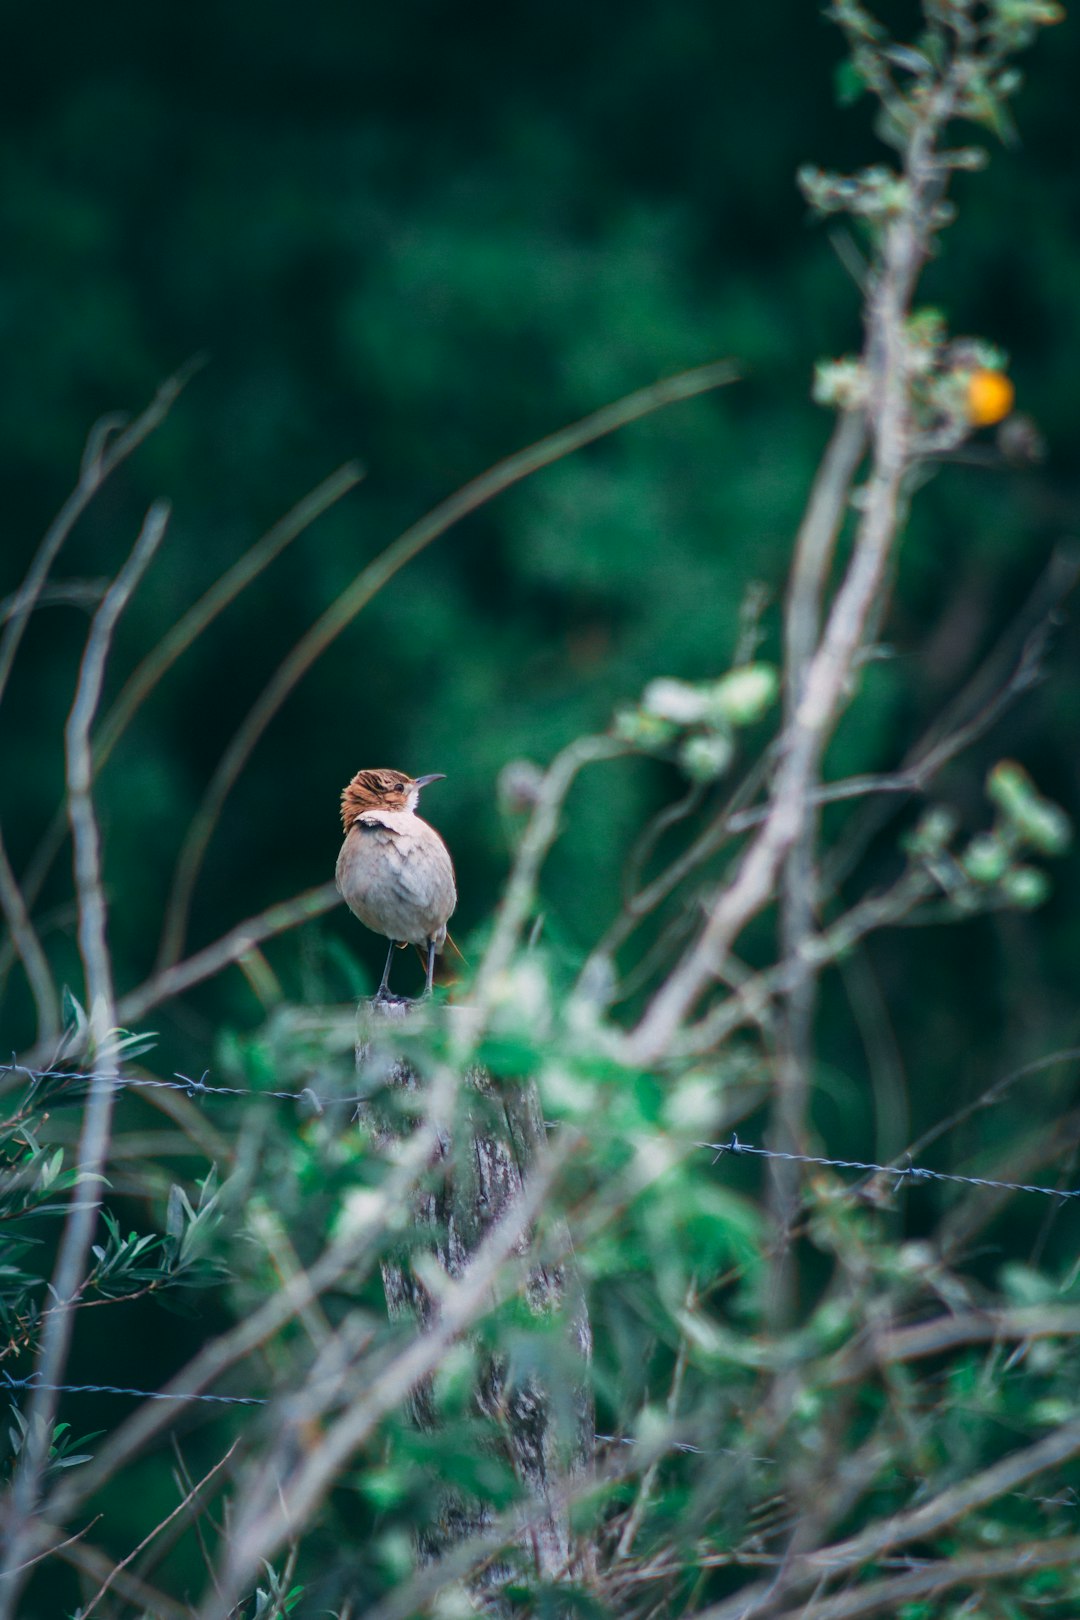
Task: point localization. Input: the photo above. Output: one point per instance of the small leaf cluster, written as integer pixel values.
(696, 722)
(954, 384)
(991, 870)
(65, 1450)
(966, 45)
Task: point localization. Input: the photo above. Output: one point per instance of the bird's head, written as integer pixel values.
(382, 790)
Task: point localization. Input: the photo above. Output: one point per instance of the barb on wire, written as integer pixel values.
(319, 1104)
(181, 1082)
(8, 1381)
(899, 1172)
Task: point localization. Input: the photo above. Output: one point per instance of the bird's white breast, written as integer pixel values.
(395, 874)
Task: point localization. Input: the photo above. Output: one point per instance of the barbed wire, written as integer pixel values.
(898, 1172)
(31, 1381)
(184, 1083)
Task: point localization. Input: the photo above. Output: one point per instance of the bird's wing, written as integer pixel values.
(384, 831)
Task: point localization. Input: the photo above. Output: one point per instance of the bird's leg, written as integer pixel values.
(382, 993)
(430, 966)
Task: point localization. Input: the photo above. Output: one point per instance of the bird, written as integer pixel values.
(394, 872)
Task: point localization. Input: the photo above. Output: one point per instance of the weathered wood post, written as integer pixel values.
(478, 1186)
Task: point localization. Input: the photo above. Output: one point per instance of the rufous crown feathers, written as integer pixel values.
(381, 790)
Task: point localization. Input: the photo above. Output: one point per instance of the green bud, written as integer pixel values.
(642, 730)
(677, 701)
(986, 860)
(744, 696)
(933, 831)
(707, 756)
(839, 383)
(1047, 828)
(1043, 825)
(1025, 887)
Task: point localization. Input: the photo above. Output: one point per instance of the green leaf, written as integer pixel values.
(848, 84)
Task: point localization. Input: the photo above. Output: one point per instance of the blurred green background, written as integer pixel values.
(424, 236)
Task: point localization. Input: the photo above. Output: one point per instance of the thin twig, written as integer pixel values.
(637, 1513)
(814, 549)
(156, 1531)
(536, 841)
(347, 1254)
(150, 1603)
(751, 999)
(58, 1546)
(94, 1140)
(80, 593)
(146, 676)
(670, 816)
(222, 953)
(100, 458)
(276, 919)
(893, 1593)
(884, 1347)
(707, 844)
(27, 946)
(371, 580)
(917, 1524)
(1013, 667)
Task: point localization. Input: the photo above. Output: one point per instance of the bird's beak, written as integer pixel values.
(422, 781)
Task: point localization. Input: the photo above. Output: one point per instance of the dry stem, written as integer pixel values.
(830, 671)
(94, 1140)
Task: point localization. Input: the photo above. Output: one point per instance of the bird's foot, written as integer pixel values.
(390, 999)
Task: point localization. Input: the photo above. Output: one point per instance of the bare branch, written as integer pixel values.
(1013, 667)
(81, 593)
(830, 671)
(894, 1592)
(750, 1001)
(156, 1531)
(536, 841)
(814, 549)
(94, 1139)
(93, 940)
(27, 947)
(904, 1344)
(161, 658)
(915, 1524)
(276, 919)
(100, 458)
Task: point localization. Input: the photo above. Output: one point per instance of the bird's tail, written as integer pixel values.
(444, 974)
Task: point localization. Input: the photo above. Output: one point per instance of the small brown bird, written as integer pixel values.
(394, 872)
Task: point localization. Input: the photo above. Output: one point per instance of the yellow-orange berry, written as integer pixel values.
(990, 396)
